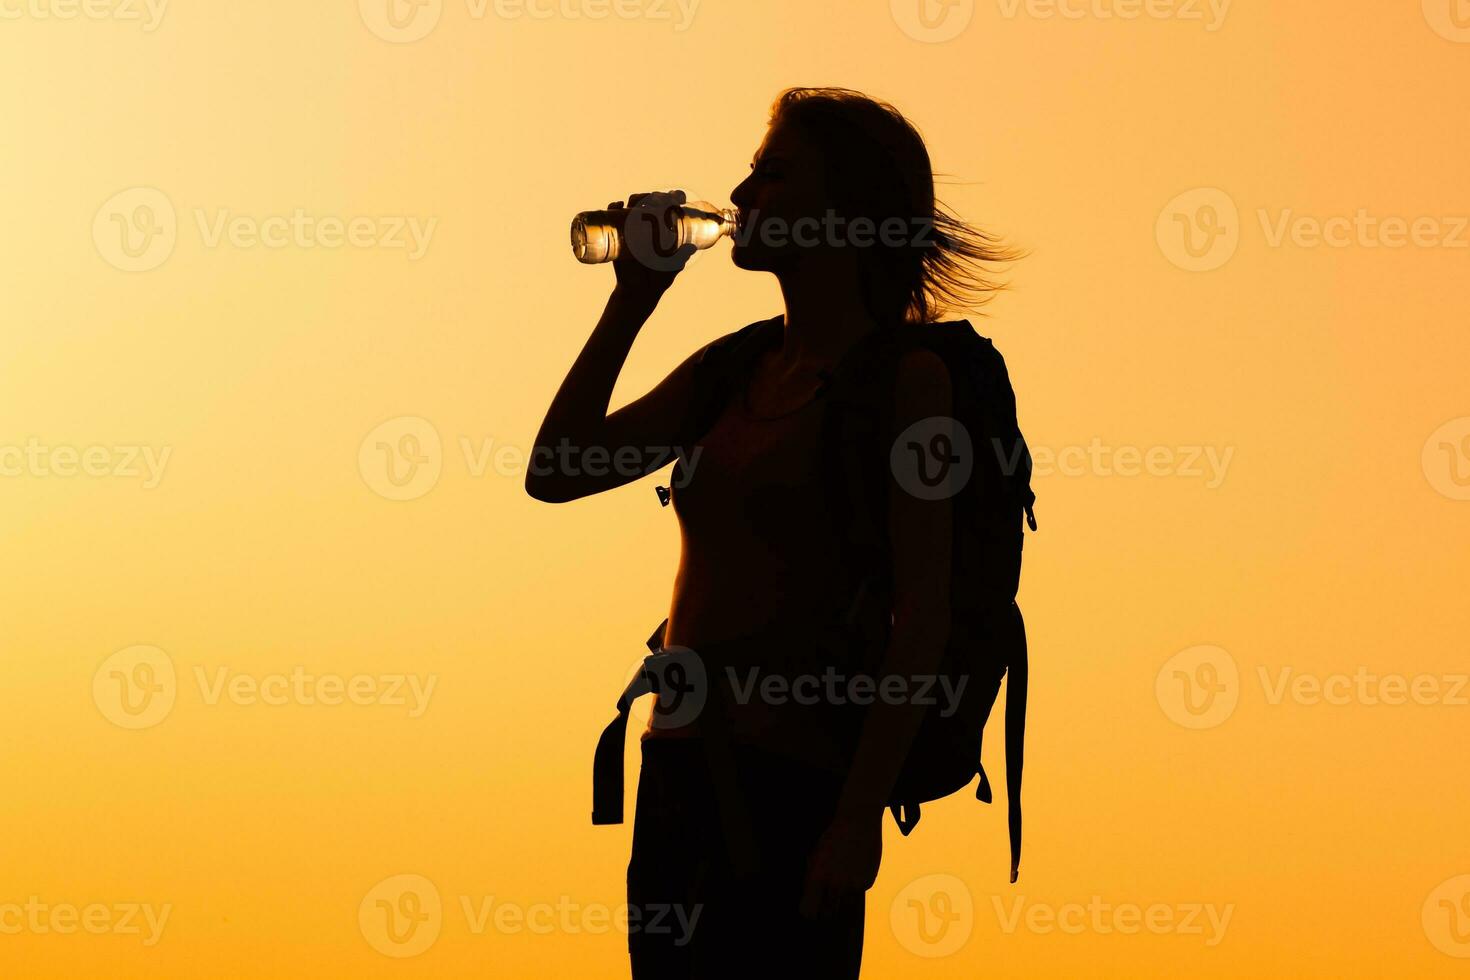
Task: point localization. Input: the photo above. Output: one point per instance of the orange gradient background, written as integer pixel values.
(1328, 545)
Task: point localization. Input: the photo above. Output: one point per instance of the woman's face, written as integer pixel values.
(785, 185)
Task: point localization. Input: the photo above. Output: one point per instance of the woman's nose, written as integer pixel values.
(739, 196)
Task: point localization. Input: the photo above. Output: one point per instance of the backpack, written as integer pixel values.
(987, 637)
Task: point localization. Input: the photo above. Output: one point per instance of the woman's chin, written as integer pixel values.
(749, 259)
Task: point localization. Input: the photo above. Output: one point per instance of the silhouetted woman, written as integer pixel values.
(760, 583)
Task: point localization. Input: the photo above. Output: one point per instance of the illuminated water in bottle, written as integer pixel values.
(597, 236)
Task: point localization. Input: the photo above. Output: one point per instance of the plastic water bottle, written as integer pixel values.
(598, 236)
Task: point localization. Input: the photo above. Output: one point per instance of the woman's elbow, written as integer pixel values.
(548, 489)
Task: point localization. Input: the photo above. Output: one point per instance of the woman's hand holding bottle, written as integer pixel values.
(645, 267)
(650, 239)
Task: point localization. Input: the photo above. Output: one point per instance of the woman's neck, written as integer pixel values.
(825, 315)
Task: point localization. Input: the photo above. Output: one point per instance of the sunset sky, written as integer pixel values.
(288, 292)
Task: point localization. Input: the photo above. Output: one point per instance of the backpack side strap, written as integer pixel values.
(905, 815)
(1017, 674)
(607, 761)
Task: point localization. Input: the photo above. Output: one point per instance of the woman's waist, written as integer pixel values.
(728, 601)
(816, 708)
(809, 745)
(745, 632)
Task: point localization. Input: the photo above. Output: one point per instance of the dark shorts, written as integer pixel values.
(689, 917)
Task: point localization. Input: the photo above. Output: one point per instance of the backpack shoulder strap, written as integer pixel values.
(856, 418)
(858, 433)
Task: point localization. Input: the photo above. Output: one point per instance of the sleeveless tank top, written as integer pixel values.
(760, 557)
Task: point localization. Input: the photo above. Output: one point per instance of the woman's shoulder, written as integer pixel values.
(751, 337)
(759, 328)
(922, 388)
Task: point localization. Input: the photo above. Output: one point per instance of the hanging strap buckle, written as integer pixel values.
(607, 764)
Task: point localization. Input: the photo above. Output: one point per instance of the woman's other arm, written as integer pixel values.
(845, 863)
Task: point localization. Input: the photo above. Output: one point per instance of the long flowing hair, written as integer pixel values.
(878, 168)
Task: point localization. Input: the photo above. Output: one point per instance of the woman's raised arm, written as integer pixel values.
(580, 449)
